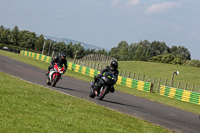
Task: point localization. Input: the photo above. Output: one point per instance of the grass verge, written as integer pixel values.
(151, 96)
(27, 107)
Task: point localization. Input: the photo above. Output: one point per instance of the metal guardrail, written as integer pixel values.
(180, 94)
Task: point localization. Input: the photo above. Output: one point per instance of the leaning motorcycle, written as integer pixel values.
(107, 82)
(55, 75)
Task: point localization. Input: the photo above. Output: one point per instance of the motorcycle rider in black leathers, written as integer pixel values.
(112, 68)
(60, 60)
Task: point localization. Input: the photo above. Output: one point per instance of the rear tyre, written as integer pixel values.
(54, 80)
(102, 93)
(92, 94)
(48, 82)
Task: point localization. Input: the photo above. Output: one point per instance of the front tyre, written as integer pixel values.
(102, 93)
(54, 80)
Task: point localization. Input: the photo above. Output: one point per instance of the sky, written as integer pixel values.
(105, 23)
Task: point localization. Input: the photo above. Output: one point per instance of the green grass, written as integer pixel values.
(27, 107)
(188, 74)
(151, 96)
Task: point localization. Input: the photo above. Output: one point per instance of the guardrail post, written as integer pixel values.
(165, 82)
(158, 88)
(154, 80)
(192, 87)
(120, 73)
(91, 64)
(151, 87)
(185, 86)
(124, 73)
(149, 78)
(178, 84)
(133, 75)
(129, 74)
(138, 76)
(98, 67)
(94, 65)
(172, 83)
(143, 78)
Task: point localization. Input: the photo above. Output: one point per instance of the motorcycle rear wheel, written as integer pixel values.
(48, 82)
(92, 94)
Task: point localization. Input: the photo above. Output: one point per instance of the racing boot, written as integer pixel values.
(112, 89)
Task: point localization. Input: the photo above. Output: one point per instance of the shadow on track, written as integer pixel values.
(67, 89)
(121, 104)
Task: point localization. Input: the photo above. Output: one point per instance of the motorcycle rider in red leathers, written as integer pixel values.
(60, 60)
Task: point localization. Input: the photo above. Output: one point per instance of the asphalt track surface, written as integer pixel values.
(168, 117)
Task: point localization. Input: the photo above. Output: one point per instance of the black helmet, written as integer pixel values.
(62, 55)
(114, 64)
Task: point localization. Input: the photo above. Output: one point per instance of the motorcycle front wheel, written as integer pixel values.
(54, 80)
(102, 93)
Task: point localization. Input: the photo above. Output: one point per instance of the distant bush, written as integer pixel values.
(168, 58)
(195, 63)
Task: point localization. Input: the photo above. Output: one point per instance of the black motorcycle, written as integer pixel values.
(106, 83)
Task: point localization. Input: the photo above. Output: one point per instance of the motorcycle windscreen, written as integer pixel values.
(60, 66)
(109, 78)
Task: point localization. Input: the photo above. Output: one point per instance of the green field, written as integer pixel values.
(188, 74)
(151, 96)
(27, 107)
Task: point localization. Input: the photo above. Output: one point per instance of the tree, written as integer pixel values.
(168, 58)
(33, 39)
(113, 52)
(195, 63)
(80, 49)
(133, 47)
(102, 51)
(135, 50)
(158, 48)
(26, 39)
(59, 48)
(6, 36)
(39, 43)
(14, 36)
(1, 33)
(122, 50)
(183, 52)
(70, 50)
(87, 51)
(140, 54)
(48, 46)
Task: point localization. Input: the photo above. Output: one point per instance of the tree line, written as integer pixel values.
(142, 51)
(145, 50)
(27, 40)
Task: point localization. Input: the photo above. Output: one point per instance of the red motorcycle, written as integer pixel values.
(55, 74)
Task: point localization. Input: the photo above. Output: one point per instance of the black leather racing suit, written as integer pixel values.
(107, 69)
(59, 61)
